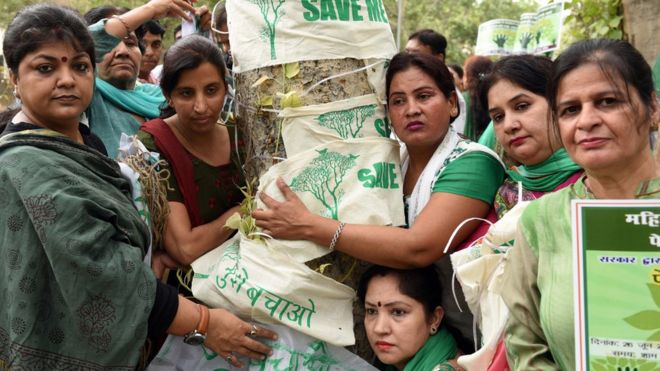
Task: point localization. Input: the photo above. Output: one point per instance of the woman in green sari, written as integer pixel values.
(75, 292)
(603, 103)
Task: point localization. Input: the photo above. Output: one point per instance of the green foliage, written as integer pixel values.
(9, 8)
(648, 320)
(590, 19)
(457, 20)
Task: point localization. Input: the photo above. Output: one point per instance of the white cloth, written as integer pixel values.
(421, 194)
(266, 33)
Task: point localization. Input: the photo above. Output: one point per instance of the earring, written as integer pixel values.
(434, 330)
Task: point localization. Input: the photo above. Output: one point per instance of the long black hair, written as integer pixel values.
(186, 54)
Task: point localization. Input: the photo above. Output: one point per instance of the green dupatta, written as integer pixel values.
(437, 350)
(547, 175)
(75, 293)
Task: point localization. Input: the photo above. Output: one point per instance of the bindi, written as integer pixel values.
(64, 59)
(379, 304)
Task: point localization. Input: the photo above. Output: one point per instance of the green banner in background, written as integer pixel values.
(617, 283)
(534, 33)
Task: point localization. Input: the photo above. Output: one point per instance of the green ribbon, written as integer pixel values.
(547, 175)
(437, 350)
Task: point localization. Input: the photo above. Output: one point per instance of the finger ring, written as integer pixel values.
(229, 358)
(253, 332)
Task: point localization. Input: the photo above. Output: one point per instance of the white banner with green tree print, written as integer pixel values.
(354, 180)
(257, 282)
(311, 30)
(292, 351)
(310, 126)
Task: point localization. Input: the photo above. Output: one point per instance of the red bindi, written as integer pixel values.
(379, 304)
(64, 59)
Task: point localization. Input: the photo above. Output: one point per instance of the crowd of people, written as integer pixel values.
(75, 288)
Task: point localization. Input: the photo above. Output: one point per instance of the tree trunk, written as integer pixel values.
(641, 26)
(263, 143)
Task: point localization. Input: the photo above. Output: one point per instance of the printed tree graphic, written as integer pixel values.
(347, 123)
(323, 177)
(268, 31)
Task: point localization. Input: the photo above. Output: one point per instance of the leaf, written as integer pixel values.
(291, 70)
(645, 320)
(323, 267)
(614, 22)
(260, 81)
(654, 337)
(655, 293)
(290, 99)
(266, 101)
(615, 34)
(234, 221)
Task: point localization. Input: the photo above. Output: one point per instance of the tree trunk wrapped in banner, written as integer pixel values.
(314, 72)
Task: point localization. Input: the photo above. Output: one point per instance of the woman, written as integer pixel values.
(475, 68)
(514, 95)
(76, 293)
(446, 180)
(602, 99)
(403, 319)
(204, 182)
(120, 104)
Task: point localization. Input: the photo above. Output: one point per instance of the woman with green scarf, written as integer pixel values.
(120, 103)
(514, 94)
(403, 319)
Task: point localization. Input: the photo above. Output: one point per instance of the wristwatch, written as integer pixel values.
(198, 335)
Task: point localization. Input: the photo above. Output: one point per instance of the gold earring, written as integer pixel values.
(434, 330)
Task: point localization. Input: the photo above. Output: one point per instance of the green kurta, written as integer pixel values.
(74, 292)
(538, 282)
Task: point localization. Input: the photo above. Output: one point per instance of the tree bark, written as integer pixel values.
(263, 144)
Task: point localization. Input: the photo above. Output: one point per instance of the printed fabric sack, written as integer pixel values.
(265, 33)
(479, 270)
(356, 181)
(293, 351)
(257, 282)
(311, 126)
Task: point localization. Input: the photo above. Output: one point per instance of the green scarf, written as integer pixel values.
(437, 350)
(145, 100)
(547, 175)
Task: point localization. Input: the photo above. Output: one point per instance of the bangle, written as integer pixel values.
(336, 236)
(120, 19)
